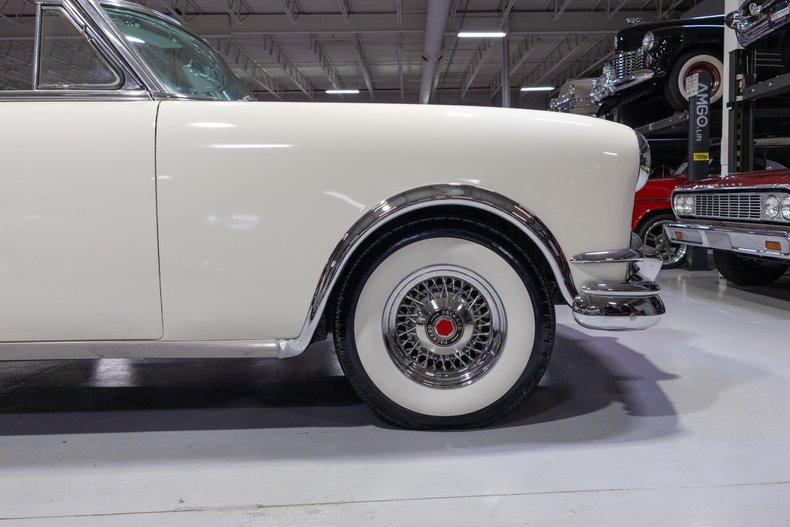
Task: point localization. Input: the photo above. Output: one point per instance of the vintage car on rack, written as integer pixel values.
(760, 19)
(646, 78)
(744, 218)
(574, 97)
(151, 209)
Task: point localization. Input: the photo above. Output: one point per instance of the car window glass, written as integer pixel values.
(183, 63)
(67, 59)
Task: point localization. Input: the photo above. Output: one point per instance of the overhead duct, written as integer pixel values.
(434, 38)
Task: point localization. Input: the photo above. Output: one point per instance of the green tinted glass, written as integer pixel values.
(183, 63)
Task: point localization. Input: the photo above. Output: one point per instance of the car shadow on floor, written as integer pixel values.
(593, 378)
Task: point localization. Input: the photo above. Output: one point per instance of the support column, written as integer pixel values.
(506, 71)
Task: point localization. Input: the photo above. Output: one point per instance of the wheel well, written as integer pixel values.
(442, 211)
(698, 47)
(650, 215)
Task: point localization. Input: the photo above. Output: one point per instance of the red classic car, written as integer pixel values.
(653, 210)
(745, 218)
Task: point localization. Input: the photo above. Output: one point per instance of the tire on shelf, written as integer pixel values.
(672, 255)
(687, 64)
(745, 271)
(443, 323)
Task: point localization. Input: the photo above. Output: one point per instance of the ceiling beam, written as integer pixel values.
(235, 55)
(561, 9)
(291, 9)
(345, 10)
(362, 63)
(665, 12)
(611, 12)
(237, 10)
(324, 62)
(401, 79)
(565, 50)
(506, 9)
(277, 53)
(587, 61)
(474, 66)
(517, 58)
(521, 23)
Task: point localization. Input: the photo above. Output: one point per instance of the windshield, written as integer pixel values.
(183, 63)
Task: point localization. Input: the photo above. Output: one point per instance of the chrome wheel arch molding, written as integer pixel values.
(417, 199)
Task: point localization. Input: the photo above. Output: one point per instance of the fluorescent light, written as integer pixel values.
(482, 34)
(342, 92)
(537, 88)
(135, 40)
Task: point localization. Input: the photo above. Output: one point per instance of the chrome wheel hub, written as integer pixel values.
(444, 326)
(670, 253)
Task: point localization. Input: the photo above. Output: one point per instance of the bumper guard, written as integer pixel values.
(621, 306)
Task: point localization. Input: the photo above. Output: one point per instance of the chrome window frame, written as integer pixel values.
(114, 34)
(65, 10)
(82, 13)
(141, 83)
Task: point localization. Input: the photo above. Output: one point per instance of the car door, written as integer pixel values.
(78, 234)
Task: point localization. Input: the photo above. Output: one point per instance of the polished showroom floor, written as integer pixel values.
(684, 424)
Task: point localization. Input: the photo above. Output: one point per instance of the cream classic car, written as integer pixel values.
(150, 209)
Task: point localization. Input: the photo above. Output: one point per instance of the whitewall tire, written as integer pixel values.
(445, 326)
(685, 66)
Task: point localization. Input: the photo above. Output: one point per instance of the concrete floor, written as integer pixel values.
(684, 424)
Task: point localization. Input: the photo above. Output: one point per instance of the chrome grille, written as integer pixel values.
(729, 206)
(627, 62)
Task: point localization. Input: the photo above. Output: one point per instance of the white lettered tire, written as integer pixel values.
(444, 326)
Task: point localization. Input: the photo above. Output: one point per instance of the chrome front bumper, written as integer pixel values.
(753, 240)
(608, 86)
(620, 306)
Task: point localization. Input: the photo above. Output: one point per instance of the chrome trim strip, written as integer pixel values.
(720, 187)
(747, 240)
(643, 261)
(75, 95)
(635, 288)
(96, 349)
(419, 198)
(613, 256)
(122, 46)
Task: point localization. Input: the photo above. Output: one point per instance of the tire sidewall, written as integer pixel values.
(675, 92)
(356, 280)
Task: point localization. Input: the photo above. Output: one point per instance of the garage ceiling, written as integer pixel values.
(295, 49)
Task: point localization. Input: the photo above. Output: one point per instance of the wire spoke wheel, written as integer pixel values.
(444, 326)
(670, 253)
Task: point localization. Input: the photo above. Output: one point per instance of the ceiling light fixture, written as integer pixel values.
(536, 88)
(482, 34)
(342, 92)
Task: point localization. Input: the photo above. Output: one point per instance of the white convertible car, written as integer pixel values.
(150, 209)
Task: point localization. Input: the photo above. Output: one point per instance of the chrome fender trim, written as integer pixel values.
(420, 198)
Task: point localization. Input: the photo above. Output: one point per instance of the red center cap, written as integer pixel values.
(444, 327)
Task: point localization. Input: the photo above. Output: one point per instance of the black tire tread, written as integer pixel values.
(745, 273)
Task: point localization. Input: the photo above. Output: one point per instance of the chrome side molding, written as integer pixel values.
(113, 349)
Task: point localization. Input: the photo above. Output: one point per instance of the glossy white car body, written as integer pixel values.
(146, 226)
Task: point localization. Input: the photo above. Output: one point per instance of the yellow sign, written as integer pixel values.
(701, 156)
